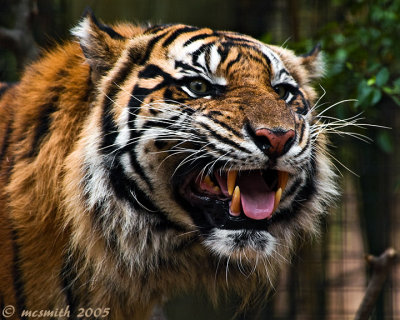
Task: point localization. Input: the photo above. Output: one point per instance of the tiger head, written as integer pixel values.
(212, 131)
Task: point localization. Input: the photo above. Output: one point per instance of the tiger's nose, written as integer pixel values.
(274, 143)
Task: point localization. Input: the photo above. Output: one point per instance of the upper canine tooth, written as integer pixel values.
(283, 178)
(235, 203)
(231, 181)
(278, 196)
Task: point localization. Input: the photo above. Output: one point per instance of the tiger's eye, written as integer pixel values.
(282, 91)
(198, 86)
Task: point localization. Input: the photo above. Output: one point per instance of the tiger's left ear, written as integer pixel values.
(101, 45)
(314, 63)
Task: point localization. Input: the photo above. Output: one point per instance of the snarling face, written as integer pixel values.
(215, 132)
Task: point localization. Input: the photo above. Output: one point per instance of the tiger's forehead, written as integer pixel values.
(203, 50)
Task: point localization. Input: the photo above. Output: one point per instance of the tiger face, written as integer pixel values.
(213, 131)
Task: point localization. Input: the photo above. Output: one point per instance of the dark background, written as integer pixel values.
(328, 278)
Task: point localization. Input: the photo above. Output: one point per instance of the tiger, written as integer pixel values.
(138, 162)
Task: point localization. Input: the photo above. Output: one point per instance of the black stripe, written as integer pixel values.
(152, 71)
(17, 275)
(185, 66)
(309, 189)
(240, 39)
(302, 129)
(175, 34)
(305, 147)
(134, 105)
(208, 59)
(224, 139)
(306, 103)
(111, 32)
(157, 28)
(6, 141)
(223, 52)
(303, 195)
(282, 71)
(202, 49)
(265, 62)
(198, 52)
(293, 188)
(3, 90)
(42, 128)
(149, 48)
(226, 126)
(249, 45)
(160, 124)
(197, 37)
(5, 86)
(68, 277)
(125, 187)
(233, 61)
(109, 128)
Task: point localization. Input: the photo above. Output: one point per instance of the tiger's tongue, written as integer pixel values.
(256, 197)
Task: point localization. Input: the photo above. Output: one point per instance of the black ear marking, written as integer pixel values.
(314, 51)
(313, 62)
(88, 12)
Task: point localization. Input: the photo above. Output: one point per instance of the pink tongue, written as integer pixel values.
(256, 197)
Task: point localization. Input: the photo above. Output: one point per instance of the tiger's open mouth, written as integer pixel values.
(231, 199)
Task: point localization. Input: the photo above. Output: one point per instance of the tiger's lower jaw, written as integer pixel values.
(241, 244)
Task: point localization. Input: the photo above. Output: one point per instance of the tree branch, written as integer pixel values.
(380, 270)
(20, 38)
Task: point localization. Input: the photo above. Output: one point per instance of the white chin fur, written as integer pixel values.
(233, 243)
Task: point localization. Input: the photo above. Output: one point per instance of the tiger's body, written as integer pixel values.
(116, 159)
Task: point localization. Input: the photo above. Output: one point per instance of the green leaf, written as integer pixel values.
(364, 94)
(371, 81)
(349, 66)
(376, 96)
(382, 77)
(385, 142)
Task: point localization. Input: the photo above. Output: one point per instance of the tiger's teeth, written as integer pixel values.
(278, 196)
(235, 203)
(208, 182)
(283, 178)
(231, 181)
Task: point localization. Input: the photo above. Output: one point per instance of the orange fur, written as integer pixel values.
(67, 239)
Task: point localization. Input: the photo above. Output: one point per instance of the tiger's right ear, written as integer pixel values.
(101, 45)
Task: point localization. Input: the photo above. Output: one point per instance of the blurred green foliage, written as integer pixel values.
(362, 50)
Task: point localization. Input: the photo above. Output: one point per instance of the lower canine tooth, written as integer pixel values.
(231, 181)
(278, 196)
(235, 203)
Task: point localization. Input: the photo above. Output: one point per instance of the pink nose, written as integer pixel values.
(275, 142)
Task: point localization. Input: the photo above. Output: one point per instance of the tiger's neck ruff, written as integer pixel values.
(145, 161)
